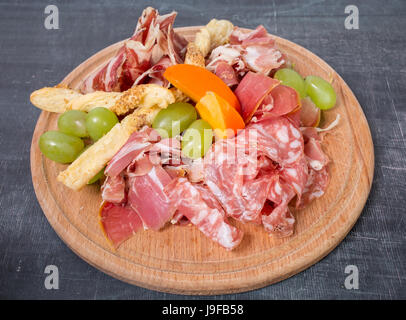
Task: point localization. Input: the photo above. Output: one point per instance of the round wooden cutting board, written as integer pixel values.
(181, 259)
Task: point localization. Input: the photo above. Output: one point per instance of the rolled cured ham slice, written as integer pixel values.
(251, 91)
(281, 101)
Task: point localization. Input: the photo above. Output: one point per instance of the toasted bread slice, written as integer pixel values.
(93, 100)
(194, 56)
(143, 95)
(53, 99)
(214, 34)
(60, 100)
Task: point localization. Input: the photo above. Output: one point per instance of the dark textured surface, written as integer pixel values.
(372, 60)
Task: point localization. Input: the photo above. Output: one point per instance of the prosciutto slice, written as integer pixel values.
(113, 189)
(208, 218)
(119, 222)
(315, 156)
(137, 143)
(153, 39)
(315, 186)
(239, 36)
(282, 100)
(155, 74)
(251, 91)
(247, 51)
(226, 73)
(146, 197)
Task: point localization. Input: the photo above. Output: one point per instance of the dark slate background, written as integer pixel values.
(372, 60)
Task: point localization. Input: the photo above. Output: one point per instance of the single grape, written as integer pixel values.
(175, 119)
(99, 121)
(73, 122)
(97, 177)
(321, 92)
(197, 139)
(60, 147)
(291, 78)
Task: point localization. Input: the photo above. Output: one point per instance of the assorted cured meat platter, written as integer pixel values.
(201, 160)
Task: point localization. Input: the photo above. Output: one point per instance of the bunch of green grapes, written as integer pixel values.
(66, 144)
(181, 118)
(319, 90)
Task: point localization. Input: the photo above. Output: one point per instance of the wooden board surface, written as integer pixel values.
(181, 259)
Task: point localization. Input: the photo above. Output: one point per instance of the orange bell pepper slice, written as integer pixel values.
(195, 81)
(223, 118)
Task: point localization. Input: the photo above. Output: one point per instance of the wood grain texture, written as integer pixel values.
(181, 259)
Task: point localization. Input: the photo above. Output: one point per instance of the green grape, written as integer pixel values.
(60, 147)
(73, 122)
(97, 177)
(197, 139)
(291, 78)
(99, 121)
(321, 92)
(175, 118)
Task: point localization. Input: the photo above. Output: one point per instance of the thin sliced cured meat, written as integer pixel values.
(207, 196)
(295, 175)
(230, 54)
(107, 77)
(166, 151)
(239, 36)
(225, 166)
(152, 40)
(248, 50)
(113, 189)
(146, 196)
(238, 170)
(281, 101)
(310, 115)
(315, 187)
(226, 73)
(119, 222)
(285, 100)
(277, 138)
(260, 53)
(255, 192)
(251, 91)
(295, 117)
(188, 200)
(315, 156)
(278, 220)
(262, 58)
(135, 145)
(155, 74)
(276, 215)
